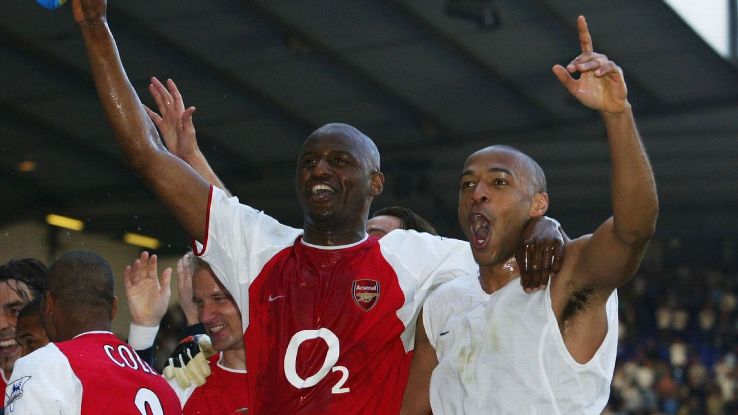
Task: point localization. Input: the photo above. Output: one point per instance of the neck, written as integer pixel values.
(234, 359)
(333, 235)
(73, 330)
(493, 277)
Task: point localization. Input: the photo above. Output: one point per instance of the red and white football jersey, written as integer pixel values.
(220, 393)
(92, 374)
(3, 384)
(328, 330)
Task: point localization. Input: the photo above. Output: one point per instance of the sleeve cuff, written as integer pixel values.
(142, 337)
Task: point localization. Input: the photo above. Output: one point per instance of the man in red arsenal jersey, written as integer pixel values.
(327, 311)
(87, 370)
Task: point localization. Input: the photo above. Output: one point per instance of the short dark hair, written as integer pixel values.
(29, 271)
(82, 279)
(409, 219)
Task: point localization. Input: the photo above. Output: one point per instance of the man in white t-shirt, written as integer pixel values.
(485, 346)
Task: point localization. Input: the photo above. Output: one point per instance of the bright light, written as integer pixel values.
(27, 166)
(65, 222)
(708, 18)
(141, 240)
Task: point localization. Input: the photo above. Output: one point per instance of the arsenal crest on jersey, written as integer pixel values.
(365, 293)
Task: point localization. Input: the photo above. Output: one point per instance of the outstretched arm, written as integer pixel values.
(176, 127)
(183, 191)
(611, 256)
(417, 393)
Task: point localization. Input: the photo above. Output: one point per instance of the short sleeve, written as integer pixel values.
(43, 383)
(239, 240)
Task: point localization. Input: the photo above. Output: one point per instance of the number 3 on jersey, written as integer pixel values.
(334, 350)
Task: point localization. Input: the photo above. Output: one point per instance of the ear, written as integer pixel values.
(377, 185)
(114, 308)
(539, 206)
(48, 303)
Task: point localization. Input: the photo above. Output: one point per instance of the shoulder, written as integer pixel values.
(42, 359)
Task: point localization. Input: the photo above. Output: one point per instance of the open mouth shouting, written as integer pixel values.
(479, 227)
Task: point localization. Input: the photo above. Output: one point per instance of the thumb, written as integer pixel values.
(166, 278)
(564, 77)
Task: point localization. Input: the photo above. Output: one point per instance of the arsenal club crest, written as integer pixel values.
(365, 293)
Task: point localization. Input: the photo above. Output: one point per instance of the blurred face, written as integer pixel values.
(382, 225)
(13, 296)
(495, 201)
(334, 180)
(30, 334)
(217, 311)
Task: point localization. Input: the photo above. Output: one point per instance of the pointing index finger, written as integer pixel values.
(585, 40)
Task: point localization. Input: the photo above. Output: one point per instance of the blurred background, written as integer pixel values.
(430, 81)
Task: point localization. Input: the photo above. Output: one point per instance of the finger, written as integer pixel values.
(585, 40)
(162, 90)
(127, 277)
(187, 124)
(151, 268)
(153, 115)
(154, 91)
(589, 65)
(166, 279)
(558, 258)
(135, 271)
(524, 265)
(537, 265)
(176, 96)
(607, 68)
(546, 263)
(564, 77)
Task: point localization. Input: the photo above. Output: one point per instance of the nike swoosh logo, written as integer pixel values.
(443, 333)
(270, 299)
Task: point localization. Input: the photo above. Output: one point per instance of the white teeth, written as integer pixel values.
(7, 343)
(216, 329)
(318, 188)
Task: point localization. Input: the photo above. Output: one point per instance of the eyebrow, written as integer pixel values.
(14, 304)
(491, 169)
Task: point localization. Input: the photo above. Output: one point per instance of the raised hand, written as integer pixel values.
(88, 10)
(148, 298)
(173, 120)
(601, 85)
(184, 289)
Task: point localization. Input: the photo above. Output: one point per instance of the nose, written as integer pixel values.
(7, 321)
(321, 169)
(206, 313)
(480, 193)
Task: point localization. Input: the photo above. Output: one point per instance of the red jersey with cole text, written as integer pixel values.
(92, 374)
(328, 330)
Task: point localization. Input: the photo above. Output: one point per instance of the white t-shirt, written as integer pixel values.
(504, 354)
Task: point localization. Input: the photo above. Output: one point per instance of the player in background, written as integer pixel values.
(387, 219)
(86, 370)
(327, 312)
(483, 345)
(203, 386)
(30, 333)
(21, 280)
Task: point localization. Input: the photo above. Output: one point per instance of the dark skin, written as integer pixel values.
(30, 334)
(63, 320)
(185, 192)
(495, 184)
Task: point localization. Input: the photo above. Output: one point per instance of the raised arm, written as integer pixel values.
(183, 191)
(611, 255)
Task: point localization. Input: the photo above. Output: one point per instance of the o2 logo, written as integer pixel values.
(329, 364)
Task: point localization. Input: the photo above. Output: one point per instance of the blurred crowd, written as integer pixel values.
(677, 350)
